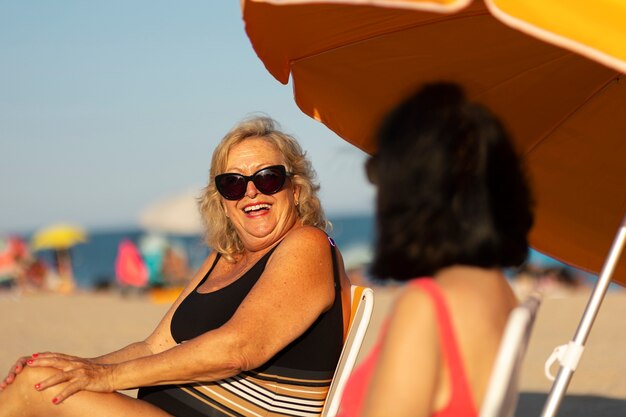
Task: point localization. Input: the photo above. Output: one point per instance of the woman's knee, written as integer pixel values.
(31, 376)
(21, 397)
(25, 384)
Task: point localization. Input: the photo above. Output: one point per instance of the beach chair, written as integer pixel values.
(362, 305)
(502, 391)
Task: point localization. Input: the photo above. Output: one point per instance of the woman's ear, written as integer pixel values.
(296, 193)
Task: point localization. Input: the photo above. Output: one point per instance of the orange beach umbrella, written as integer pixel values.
(552, 70)
(350, 62)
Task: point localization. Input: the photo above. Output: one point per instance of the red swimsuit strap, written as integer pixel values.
(461, 401)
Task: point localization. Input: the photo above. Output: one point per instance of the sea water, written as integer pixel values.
(94, 261)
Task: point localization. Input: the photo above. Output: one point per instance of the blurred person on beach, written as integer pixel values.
(175, 268)
(258, 330)
(553, 281)
(20, 270)
(13, 254)
(152, 247)
(453, 209)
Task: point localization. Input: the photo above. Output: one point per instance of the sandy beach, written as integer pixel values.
(89, 324)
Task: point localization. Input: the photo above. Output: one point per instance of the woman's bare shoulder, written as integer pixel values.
(412, 307)
(308, 231)
(306, 238)
(413, 297)
(412, 323)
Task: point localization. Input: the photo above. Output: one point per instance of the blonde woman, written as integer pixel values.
(258, 330)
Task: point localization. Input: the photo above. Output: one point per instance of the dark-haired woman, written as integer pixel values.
(259, 329)
(453, 209)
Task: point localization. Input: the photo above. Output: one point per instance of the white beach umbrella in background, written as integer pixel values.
(178, 214)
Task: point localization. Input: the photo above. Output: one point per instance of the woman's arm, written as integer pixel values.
(160, 339)
(295, 288)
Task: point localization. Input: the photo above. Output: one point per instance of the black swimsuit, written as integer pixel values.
(292, 383)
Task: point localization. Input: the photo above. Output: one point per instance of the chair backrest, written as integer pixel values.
(502, 392)
(362, 305)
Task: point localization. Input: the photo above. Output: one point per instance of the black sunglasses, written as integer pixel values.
(268, 180)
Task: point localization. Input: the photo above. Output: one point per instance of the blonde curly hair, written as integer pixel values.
(220, 233)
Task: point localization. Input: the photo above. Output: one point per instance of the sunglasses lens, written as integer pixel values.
(231, 186)
(269, 180)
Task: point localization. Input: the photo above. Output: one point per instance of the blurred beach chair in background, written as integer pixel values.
(502, 391)
(362, 305)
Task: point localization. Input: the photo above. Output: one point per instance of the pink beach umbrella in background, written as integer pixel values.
(552, 70)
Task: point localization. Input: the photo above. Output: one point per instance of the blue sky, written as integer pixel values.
(106, 107)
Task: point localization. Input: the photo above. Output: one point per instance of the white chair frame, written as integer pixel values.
(502, 391)
(362, 306)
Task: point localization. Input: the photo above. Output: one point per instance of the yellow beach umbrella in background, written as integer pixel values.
(552, 70)
(58, 237)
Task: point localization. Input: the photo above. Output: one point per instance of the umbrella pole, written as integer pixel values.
(571, 353)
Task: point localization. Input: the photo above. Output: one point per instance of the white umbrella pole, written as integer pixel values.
(569, 355)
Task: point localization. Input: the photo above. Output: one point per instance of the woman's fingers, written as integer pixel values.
(17, 367)
(68, 391)
(77, 375)
(50, 355)
(57, 360)
(57, 378)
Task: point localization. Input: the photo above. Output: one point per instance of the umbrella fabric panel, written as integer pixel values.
(329, 25)
(580, 190)
(350, 93)
(594, 29)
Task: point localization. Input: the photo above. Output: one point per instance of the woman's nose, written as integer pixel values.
(251, 190)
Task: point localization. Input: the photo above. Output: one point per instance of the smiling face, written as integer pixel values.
(260, 220)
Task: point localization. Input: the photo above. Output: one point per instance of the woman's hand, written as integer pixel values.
(77, 374)
(15, 370)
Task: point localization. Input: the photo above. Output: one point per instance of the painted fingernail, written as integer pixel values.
(37, 386)
(35, 355)
(55, 400)
(30, 361)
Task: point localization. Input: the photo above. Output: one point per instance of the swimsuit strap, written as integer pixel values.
(460, 391)
(333, 249)
(217, 258)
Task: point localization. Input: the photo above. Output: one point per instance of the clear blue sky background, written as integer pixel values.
(106, 107)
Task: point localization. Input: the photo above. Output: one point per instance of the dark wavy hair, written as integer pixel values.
(451, 188)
